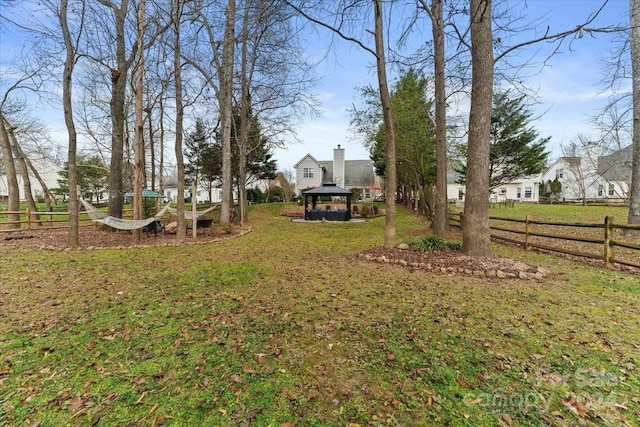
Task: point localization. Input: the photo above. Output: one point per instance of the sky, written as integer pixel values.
(568, 87)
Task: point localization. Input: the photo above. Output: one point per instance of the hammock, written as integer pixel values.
(119, 223)
(189, 214)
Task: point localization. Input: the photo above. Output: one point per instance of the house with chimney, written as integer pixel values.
(348, 174)
(590, 176)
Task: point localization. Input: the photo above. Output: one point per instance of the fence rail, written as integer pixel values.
(604, 236)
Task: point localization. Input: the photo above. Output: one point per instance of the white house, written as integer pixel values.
(47, 170)
(591, 176)
(524, 189)
(348, 174)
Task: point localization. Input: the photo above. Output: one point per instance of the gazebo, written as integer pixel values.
(326, 190)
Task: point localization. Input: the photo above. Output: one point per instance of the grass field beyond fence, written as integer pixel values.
(286, 326)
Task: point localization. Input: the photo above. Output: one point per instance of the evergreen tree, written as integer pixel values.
(92, 177)
(415, 139)
(516, 149)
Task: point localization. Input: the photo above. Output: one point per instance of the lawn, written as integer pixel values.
(285, 326)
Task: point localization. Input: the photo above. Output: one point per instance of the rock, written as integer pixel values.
(501, 274)
(403, 246)
(490, 273)
(402, 262)
(523, 275)
(171, 227)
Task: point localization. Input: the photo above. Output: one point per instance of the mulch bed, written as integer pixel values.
(453, 262)
(95, 237)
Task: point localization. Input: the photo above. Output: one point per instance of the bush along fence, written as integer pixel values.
(612, 246)
(30, 220)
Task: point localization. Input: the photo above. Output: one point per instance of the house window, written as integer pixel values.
(600, 190)
(308, 172)
(612, 190)
(559, 173)
(460, 194)
(519, 193)
(528, 192)
(503, 191)
(367, 193)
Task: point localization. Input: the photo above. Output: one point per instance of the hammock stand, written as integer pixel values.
(119, 223)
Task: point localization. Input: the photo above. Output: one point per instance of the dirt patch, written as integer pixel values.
(453, 262)
(96, 237)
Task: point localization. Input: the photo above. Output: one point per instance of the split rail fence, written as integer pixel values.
(603, 242)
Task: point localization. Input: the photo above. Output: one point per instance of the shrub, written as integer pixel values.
(433, 243)
(365, 212)
(374, 210)
(355, 209)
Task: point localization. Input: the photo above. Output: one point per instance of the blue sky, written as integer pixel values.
(568, 88)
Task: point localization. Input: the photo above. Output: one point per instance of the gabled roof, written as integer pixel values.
(616, 166)
(307, 156)
(357, 172)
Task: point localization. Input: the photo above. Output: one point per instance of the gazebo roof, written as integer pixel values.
(327, 189)
(146, 193)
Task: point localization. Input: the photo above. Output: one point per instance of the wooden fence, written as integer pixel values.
(45, 220)
(613, 247)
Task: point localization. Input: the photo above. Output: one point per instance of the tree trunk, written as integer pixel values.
(24, 172)
(117, 111)
(67, 86)
(440, 205)
(634, 200)
(226, 102)
(181, 231)
(138, 168)
(476, 239)
(385, 100)
(12, 178)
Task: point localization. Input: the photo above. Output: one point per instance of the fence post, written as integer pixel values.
(608, 232)
(526, 232)
(28, 213)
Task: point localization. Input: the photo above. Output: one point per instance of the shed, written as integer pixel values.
(326, 190)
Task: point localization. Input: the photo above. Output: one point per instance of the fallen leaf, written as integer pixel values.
(507, 419)
(390, 356)
(248, 370)
(75, 404)
(463, 383)
(575, 406)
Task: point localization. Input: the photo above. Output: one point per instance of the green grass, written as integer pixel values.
(285, 325)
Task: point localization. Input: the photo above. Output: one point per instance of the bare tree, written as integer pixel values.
(71, 56)
(138, 170)
(176, 14)
(634, 202)
(13, 204)
(24, 171)
(581, 157)
(476, 238)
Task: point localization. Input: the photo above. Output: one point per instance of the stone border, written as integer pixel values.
(539, 274)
